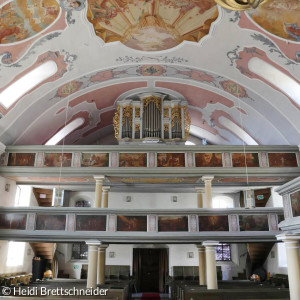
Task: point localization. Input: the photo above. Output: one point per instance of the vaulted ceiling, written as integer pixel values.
(239, 71)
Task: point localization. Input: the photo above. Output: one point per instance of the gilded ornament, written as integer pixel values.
(187, 122)
(137, 112)
(127, 113)
(166, 112)
(116, 122)
(148, 100)
(166, 127)
(137, 127)
(176, 114)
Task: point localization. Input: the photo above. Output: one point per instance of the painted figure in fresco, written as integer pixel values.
(133, 160)
(103, 11)
(72, 4)
(208, 159)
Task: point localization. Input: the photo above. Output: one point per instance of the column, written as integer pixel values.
(249, 200)
(101, 264)
(105, 190)
(92, 265)
(202, 265)
(293, 262)
(199, 197)
(208, 193)
(98, 190)
(211, 270)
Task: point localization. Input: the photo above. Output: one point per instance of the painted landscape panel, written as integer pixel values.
(208, 159)
(50, 222)
(213, 223)
(13, 221)
(239, 161)
(282, 160)
(132, 223)
(21, 159)
(176, 223)
(90, 223)
(254, 223)
(58, 160)
(133, 160)
(95, 160)
(170, 160)
(295, 203)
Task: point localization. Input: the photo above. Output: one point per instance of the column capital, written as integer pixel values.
(103, 246)
(99, 178)
(200, 247)
(207, 178)
(93, 243)
(105, 188)
(210, 243)
(199, 189)
(285, 237)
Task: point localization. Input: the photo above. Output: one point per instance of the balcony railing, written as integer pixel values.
(139, 226)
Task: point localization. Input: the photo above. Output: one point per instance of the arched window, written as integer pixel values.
(82, 203)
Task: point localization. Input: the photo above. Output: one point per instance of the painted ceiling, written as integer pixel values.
(106, 50)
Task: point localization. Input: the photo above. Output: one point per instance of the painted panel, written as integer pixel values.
(282, 160)
(90, 223)
(95, 160)
(176, 223)
(213, 223)
(13, 221)
(254, 223)
(133, 159)
(58, 160)
(295, 203)
(238, 160)
(279, 17)
(208, 159)
(132, 223)
(50, 222)
(23, 19)
(170, 160)
(21, 159)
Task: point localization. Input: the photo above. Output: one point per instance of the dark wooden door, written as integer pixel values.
(149, 270)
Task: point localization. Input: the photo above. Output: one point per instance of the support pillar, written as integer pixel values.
(92, 265)
(98, 190)
(199, 197)
(208, 192)
(249, 200)
(293, 261)
(101, 264)
(202, 265)
(211, 270)
(105, 190)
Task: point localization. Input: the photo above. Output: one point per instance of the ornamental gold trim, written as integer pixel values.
(148, 100)
(166, 112)
(137, 127)
(137, 112)
(187, 122)
(116, 123)
(127, 113)
(176, 113)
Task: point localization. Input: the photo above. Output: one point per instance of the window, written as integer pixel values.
(82, 203)
(23, 194)
(79, 251)
(223, 252)
(15, 254)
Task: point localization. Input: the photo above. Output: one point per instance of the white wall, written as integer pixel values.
(27, 265)
(275, 199)
(87, 196)
(7, 198)
(276, 264)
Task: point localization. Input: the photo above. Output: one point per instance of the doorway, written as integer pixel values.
(150, 269)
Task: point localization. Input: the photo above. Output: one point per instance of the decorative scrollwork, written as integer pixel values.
(187, 122)
(137, 127)
(137, 112)
(148, 100)
(116, 122)
(127, 113)
(166, 127)
(176, 114)
(166, 112)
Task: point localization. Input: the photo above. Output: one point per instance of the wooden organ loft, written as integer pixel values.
(152, 118)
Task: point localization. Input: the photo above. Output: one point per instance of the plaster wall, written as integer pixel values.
(275, 263)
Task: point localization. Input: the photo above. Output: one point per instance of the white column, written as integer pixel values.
(202, 265)
(208, 192)
(249, 198)
(98, 190)
(211, 270)
(101, 264)
(105, 190)
(199, 197)
(92, 264)
(293, 261)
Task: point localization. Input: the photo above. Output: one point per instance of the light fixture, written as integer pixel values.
(240, 4)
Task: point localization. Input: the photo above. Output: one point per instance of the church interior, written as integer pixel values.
(150, 149)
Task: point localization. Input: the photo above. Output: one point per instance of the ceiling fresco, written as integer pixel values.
(23, 19)
(281, 18)
(94, 43)
(152, 25)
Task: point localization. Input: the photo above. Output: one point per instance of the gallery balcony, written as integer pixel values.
(68, 224)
